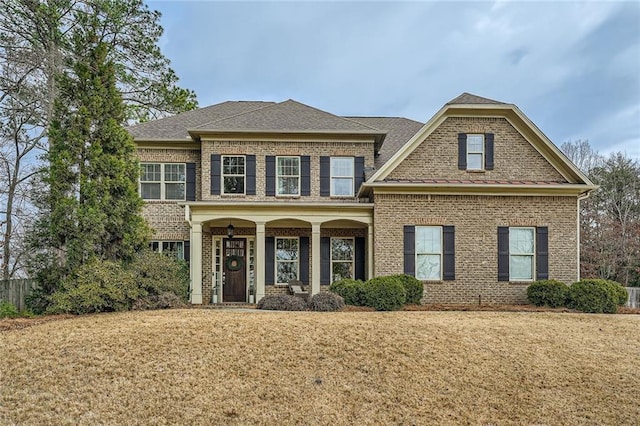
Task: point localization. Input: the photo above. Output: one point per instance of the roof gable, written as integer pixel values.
(468, 98)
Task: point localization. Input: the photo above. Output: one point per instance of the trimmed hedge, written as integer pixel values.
(326, 302)
(551, 293)
(352, 291)
(413, 287)
(596, 296)
(282, 302)
(385, 293)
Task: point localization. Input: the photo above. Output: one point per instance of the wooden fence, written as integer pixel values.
(15, 291)
(634, 297)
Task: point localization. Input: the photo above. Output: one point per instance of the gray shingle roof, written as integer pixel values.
(399, 131)
(468, 98)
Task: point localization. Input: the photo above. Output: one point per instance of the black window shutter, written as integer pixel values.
(359, 174)
(325, 176)
(187, 250)
(542, 253)
(304, 260)
(449, 253)
(462, 151)
(251, 175)
(325, 260)
(191, 181)
(215, 174)
(360, 259)
(270, 175)
(269, 260)
(488, 151)
(305, 175)
(410, 250)
(503, 253)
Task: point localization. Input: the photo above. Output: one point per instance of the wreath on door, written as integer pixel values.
(234, 263)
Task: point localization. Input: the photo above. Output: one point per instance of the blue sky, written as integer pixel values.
(572, 67)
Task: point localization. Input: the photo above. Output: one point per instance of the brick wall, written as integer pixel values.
(514, 157)
(476, 220)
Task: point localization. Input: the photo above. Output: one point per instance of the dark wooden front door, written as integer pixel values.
(235, 271)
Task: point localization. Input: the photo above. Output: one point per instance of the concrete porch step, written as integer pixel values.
(230, 305)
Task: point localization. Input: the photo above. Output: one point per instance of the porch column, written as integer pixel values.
(260, 260)
(196, 263)
(315, 258)
(370, 252)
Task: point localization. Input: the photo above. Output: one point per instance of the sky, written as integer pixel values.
(572, 67)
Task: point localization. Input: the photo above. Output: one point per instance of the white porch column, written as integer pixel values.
(315, 258)
(260, 260)
(370, 252)
(196, 263)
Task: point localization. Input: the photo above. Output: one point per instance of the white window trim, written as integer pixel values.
(481, 152)
(163, 182)
(440, 253)
(278, 176)
(223, 175)
(531, 255)
(162, 242)
(353, 259)
(275, 259)
(331, 176)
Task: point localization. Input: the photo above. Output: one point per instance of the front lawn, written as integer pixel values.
(199, 366)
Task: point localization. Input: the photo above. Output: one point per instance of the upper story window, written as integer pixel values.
(287, 175)
(342, 175)
(233, 174)
(428, 252)
(160, 181)
(475, 152)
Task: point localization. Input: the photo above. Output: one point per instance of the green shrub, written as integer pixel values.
(38, 301)
(282, 302)
(593, 296)
(158, 273)
(97, 286)
(413, 287)
(385, 293)
(352, 291)
(8, 310)
(326, 302)
(618, 289)
(166, 300)
(548, 293)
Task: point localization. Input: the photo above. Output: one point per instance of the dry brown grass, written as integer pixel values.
(223, 367)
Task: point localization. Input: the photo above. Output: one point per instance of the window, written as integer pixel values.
(163, 181)
(475, 152)
(521, 254)
(342, 257)
(176, 247)
(287, 255)
(428, 252)
(288, 176)
(233, 174)
(342, 176)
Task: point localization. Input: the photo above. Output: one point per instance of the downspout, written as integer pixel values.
(187, 218)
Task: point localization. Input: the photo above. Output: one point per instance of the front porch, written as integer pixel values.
(240, 252)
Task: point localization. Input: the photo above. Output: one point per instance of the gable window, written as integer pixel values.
(521, 254)
(342, 176)
(429, 252)
(342, 257)
(175, 247)
(475, 152)
(288, 176)
(286, 257)
(233, 174)
(160, 181)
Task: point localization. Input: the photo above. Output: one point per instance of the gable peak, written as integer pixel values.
(469, 98)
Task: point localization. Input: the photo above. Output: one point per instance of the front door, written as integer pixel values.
(235, 275)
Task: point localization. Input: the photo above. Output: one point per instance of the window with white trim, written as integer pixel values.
(233, 174)
(342, 176)
(163, 181)
(342, 258)
(176, 247)
(287, 259)
(287, 175)
(429, 253)
(522, 249)
(475, 152)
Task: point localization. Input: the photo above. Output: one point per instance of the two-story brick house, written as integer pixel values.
(477, 202)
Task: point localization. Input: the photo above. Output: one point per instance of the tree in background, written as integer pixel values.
(37, 44)
(610, 217)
